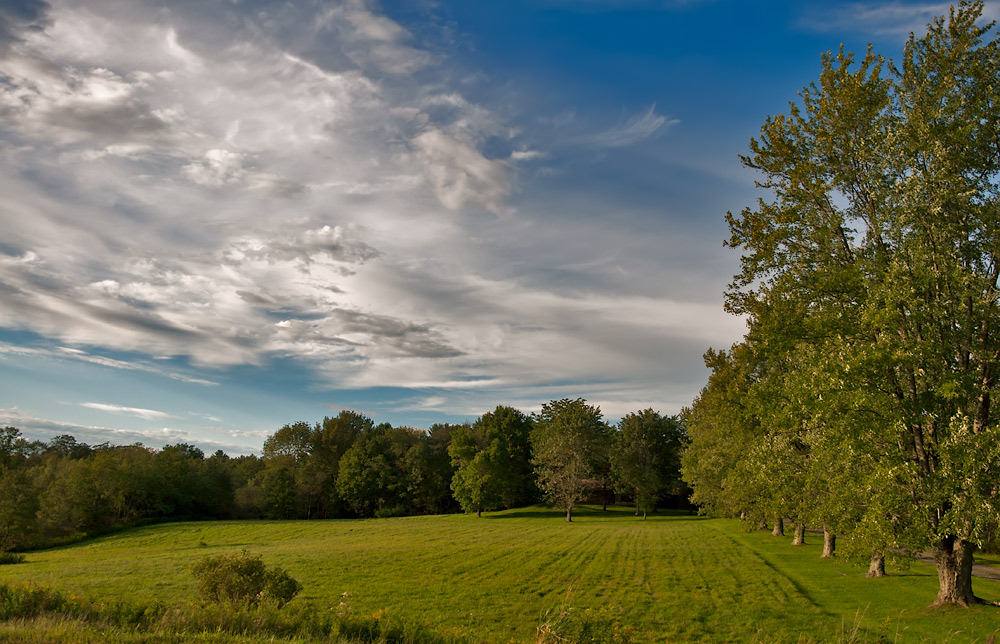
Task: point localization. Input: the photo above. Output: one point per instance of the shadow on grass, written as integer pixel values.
(590, 512)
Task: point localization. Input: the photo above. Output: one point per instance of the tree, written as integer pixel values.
(67, 446)
(373, 478)
(493, 461)
(18, 509)
(567, 437)
(719, 426)
(645, 456)
(291, 440)
(12, 447)
(317, 475)
(432, 467)
(882, 239)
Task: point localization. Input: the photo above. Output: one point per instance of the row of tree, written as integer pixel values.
(345, 466)
(861, 398)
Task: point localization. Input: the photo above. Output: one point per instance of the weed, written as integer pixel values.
(564, 625)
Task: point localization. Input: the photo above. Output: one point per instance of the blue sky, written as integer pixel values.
(221, 217)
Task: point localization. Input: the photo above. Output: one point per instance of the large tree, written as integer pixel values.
(881, 238)
(645, 456)
(566, 447)
(492, 458)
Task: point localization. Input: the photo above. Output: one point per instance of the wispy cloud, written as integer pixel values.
(147, 414)
(71, 353)
(640, 127)
(223, 187)
(44, 429)
(896, 19)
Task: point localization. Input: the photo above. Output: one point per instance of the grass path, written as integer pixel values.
(673, 577)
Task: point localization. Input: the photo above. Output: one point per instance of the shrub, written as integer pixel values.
(25, 602)
(11, 558)
(243, 580)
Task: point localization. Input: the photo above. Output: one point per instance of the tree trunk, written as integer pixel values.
(954, 565)
(779, 528)
(876, 567)
(606, 493)
(569, 514)
(800, 535)
(643, 515)
(762, 525)
(829, 543)
(479, 512)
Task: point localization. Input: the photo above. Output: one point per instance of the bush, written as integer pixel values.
(25, 602)
(11, 558)
(243, 580)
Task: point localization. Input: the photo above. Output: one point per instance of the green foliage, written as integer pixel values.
(645, 456)
(18, 509)
(11, 558)
(492, 459)
(243, 580)
(291, 440)
(371, 477)
(12, 447)
(28, 602)
(869, 280)
(569, 442)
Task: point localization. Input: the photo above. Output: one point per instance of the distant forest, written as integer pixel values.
(343, 467)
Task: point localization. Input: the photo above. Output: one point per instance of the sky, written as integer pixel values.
(218, 217)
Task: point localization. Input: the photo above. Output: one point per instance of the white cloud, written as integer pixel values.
(37, 428)
(639, 128)
(896, 18)
(71, 353)
(382, 42)
(218, 168)
(147, 414)
(227, 188)
(460, 174)
(526, 155)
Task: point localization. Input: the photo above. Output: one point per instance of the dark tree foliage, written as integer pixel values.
(645, 457)
(493, 462)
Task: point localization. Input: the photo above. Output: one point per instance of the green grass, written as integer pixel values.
(992, 560)
(673, 577)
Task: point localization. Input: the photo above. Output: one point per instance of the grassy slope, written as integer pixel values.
(675, 577)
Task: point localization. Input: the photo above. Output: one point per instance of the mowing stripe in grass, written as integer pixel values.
(686, 579)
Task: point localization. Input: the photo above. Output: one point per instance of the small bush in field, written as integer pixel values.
(11, 558)
(243, 580)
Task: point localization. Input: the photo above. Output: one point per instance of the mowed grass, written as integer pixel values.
(673, 577)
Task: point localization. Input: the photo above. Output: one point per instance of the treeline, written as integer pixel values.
(863, 397)
(341, 467)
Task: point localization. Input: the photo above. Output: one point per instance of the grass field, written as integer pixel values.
(674, 577)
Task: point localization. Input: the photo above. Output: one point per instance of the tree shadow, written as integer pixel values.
(586, 512)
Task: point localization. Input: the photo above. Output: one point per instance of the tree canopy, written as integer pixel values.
(870, 284)
(567, 444)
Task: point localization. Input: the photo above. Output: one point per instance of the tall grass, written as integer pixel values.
(32, 607)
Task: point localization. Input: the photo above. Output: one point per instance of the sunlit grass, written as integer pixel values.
(675, 577)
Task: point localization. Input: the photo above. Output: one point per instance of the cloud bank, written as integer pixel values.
(230, 188)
